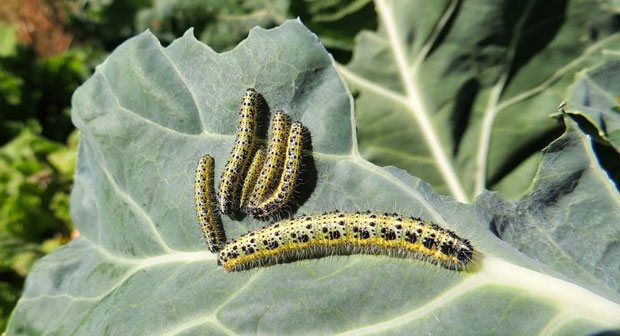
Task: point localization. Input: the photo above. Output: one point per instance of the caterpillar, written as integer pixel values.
(252, 176)
(276, 149)
(206, 211)
(339, 233)
(241, 154)
(288, 179)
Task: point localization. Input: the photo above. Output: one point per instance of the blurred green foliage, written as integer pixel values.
(35, 88)
(105, 24)
(35, 180)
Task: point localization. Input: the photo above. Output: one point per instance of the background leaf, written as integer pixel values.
(596, 97)
(593, 102)
(336, 22)
(460, 96)
(140, 267)
(569, 218)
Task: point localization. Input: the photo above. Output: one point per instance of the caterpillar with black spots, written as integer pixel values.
(240, 155)
(340, 233)
(283, 191)
(274, 161)
(206, 210)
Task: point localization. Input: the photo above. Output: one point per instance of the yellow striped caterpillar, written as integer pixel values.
(276, 150)
(206, 210)
(288, 179)
(240, 156)
(252, 176)
(338, 233)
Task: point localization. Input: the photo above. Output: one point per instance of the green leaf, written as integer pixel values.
(336, 22)
(140, 266)
(458, 93)
(595, 95)
(569, 218)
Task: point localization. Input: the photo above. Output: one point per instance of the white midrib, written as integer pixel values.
(416, 107)
(480, 171)
(495, 272)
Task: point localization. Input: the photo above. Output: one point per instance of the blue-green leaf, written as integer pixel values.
(140, 266)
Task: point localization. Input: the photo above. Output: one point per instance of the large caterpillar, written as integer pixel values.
(206, 211)
(272, 168)
(341, 233)
(288, 179)
(240, 156)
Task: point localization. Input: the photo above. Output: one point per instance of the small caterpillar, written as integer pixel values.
(276, 149)
(338, 233)
(240, 156)
(252, 176)
(206, 211)
(288, 179)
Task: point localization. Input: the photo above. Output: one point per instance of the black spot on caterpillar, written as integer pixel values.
(240, 156)
(206, 210)
(337, 233)
(276, 151)
(288, 179)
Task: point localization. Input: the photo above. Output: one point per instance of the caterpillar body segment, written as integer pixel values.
(240, 156)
